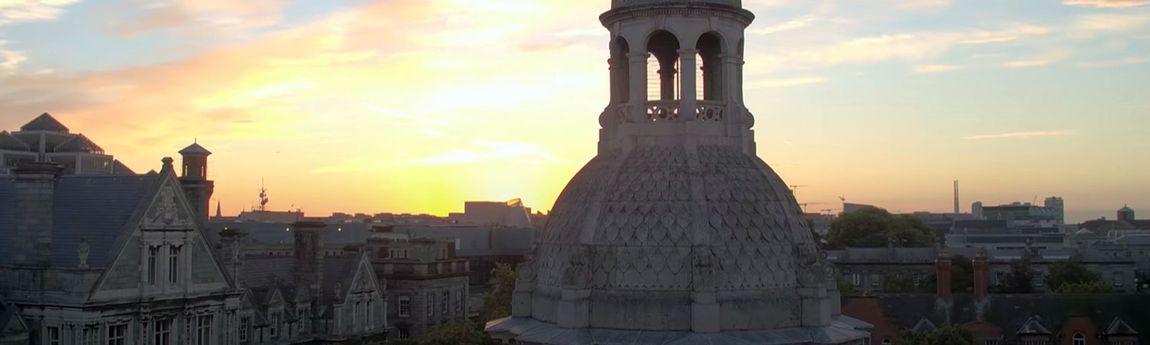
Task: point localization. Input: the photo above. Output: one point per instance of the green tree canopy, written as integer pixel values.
(456, 333)
(951, 335)
(497, 302)
(1084, 288)
(873, 227)
(1070, 272)
(1019, 279)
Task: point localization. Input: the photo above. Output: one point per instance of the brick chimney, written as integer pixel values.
(308, 264)
(35, 190)
(942, 271)
(981, 277)
(231, 256)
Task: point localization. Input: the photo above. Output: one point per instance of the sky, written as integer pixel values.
(419, 105)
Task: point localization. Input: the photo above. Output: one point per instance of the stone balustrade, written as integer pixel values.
(668, 111)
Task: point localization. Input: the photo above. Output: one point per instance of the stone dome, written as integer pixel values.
(646, 228)
(630, 3)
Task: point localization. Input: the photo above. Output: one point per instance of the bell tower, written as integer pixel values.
(194, 179)
(676, 74)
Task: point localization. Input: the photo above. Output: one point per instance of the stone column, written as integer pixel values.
(688, 89)
(638, 85)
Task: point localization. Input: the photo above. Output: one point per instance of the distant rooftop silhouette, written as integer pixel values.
(45, 122)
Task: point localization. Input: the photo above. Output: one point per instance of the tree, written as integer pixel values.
(1084, 288)
(497, 302)
(898, 283)
(875, 227)
(951, 335)
(456, 333)
(1019, 279)
(1070, 272)
(845, 287)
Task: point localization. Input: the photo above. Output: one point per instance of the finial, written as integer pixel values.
(167, 164)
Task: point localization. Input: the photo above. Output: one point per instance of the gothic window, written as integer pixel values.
(710, 72)
(445, 304)
(404, 306)
(429, 302)
(174, 264)
(370, 315)
(275, 322)
(117, 334)
(53, 335)
(204, 332)
(244, 325)
(1079, 339)
(162, 334)
(153, 261)
(458, 301)
(662, 67)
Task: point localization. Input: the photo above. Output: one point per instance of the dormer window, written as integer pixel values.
(174, 264)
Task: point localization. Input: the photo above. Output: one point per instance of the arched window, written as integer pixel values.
(662, 66)
(620, 71)
(1079, 339)
(710, 48)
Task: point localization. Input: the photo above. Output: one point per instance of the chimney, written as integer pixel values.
(230, 251)
(308, 264)
(35, 190)
(942, 272)
(981, 277)
(957, 209)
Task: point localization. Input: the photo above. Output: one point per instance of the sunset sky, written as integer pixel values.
(418, 105)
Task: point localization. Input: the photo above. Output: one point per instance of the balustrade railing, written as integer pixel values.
(663, 111)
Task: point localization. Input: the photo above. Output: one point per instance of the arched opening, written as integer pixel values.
(710, 48)
(1079, 339)
(620, 71)
(662, 66)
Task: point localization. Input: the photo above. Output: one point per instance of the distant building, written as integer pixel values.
(999, 234)
(45, 139)
(427, 283)
(509, 214)
(1051, 214)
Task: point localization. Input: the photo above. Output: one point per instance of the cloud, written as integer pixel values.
(154, 15)
(1020, 135)
(925, 69)
(1107, 3)
(1092, 25)
(922, 4)
(16, 11)
(9, 59)
(786, 82)
(915, 46)
(1038, 60)
(1129, 60)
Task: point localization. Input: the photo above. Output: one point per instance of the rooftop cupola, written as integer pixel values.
(676, 72)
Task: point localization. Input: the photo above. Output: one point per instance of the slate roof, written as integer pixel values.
(11, 143)
(195, 148)
(263, 273)
(79, 143)
(1012, 313)
(1033, 326)
(97, 209)
(1119, 327)
(45, 122)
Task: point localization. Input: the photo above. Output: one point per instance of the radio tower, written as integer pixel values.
(263, 197)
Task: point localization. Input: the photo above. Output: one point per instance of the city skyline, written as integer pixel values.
(1016, 101)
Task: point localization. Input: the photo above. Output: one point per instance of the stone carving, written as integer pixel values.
(165, 211)
(659, 111)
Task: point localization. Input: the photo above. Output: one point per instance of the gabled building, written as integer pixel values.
(109, 259)
(307, 296)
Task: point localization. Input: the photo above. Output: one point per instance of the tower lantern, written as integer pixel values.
(676, 70)
(194, 178)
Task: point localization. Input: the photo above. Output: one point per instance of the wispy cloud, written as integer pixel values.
(1036, 61)
(1088, 26)
(9, 59)
(1107, 3)
(926, 69)
(1129, 60)
(787, 82)
(1020, 135)
(15, 11)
